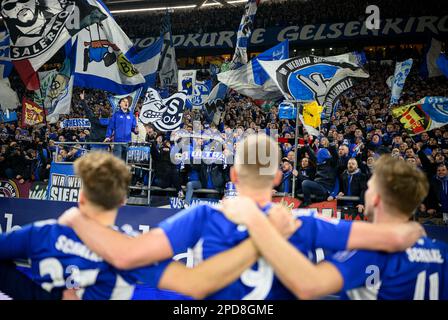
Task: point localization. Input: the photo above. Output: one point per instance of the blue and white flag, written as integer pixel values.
(313, 78)
(437, 109)
(442, 63)
(102, 57)
(402, 70)
(218, 93)
(252, 80)
(8, 97)
(244, 33)
(5, 63)
(147, 62)
(168, 65)
(76, 124)
(132, 99)
(201, 93)
(429, 67)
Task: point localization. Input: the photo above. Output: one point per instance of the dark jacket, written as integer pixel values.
(326, 168)
(97, 130)
(358, 185)
(217, 175)
(438, 194)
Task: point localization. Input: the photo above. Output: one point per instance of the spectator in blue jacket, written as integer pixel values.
(122, 124)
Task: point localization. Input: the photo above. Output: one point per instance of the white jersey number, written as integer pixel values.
(260, 280)
(419, 293)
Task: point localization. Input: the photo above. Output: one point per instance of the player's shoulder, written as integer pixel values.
(313, 215)
(51, 226)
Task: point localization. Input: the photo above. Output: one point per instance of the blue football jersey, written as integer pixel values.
(59, 259)
(418, 273)
(208, 231)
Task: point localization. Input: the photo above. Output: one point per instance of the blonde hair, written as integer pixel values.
(105, 179)
(257, 160)
(401, 185)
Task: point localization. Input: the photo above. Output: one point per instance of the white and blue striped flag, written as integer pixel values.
(251, 80)
(147, 62)
(402, 70)
(5, 62)
(244, 33)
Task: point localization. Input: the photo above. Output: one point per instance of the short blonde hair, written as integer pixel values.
(401, 185)
(105, 179)
(257, 160)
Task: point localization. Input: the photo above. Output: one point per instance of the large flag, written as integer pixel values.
(5, 62)
(201, 93)
(187, 82)
(58, 97)
(429, 67)
(402, 70)
(252, 80)
(132, 98)
(244, 33)
(168, 65)
(102, 57)
(425, 115)
(312, 78)
(38, 29)
(32, 114)
(147, 62)
(164, 115)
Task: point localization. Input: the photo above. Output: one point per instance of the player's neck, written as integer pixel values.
(103, 217)
(390, 218)
(261, 197)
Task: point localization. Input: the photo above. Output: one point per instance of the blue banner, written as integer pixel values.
(139, 154)
(63, 184)
(10, 116)
(76, 124)
(409, 28)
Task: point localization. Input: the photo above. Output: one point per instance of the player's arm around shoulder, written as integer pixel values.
(120, 250)
(384, 237)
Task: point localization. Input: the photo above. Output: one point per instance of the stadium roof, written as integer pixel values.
(130, 6)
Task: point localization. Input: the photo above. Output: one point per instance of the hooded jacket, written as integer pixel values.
(326, 169)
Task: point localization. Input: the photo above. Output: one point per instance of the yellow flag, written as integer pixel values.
(311, 114)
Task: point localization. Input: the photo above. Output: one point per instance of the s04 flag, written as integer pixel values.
(166, 114)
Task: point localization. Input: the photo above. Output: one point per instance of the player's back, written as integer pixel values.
(59, 259)
(259, 282)
(418, 273)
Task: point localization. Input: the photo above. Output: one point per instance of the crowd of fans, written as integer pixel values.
(333, 166)
(276, 14)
